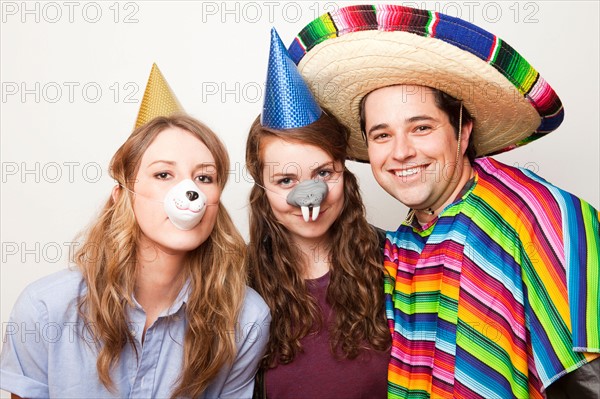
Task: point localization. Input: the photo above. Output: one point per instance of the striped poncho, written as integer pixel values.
(497, 297)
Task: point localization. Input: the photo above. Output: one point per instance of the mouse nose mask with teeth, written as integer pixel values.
(185, 205)
(308, 195)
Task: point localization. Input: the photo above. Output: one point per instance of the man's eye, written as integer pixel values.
(423, 128)
(381, 136)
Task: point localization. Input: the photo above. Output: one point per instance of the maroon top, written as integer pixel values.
(316, 373)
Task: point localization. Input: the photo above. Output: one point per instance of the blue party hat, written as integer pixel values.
(288, 101)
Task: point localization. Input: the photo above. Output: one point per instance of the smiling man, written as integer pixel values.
(493, 275)
(414, 150)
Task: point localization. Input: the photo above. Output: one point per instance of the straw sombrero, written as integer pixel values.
(346, 54)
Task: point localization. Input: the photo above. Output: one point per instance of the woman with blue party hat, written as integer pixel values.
(312, 255)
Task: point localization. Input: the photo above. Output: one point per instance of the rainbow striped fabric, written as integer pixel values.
(455, 31)
(498, 297)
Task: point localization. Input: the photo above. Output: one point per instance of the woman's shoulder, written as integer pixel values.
(54, 292)
(254, 307)
(60, 282)
(253, 322)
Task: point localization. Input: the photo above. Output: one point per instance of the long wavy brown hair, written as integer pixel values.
(355, 291)
(215, 270)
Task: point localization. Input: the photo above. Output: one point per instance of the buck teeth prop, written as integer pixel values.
(308, 195)
(185, 205)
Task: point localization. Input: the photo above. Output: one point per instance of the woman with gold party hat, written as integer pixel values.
(157, 305)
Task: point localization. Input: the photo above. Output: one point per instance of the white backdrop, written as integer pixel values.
(73, 74)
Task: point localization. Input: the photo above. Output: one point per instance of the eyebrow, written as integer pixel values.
(412, 119)
(283, 175)
(325, 164)
(212, 165)
(330, 164)
(162, 161)
(317, 168)
(419, 118)
(377, 127)
(201, 165)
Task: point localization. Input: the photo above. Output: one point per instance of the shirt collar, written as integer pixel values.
(178, 303)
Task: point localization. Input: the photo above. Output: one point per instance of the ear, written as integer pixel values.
(116, 192)
(467, 128)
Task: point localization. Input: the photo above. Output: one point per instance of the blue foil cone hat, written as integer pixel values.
(288, 101)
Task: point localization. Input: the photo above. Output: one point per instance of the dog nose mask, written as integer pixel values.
(185, 205)
(191, 195)
(308, 195)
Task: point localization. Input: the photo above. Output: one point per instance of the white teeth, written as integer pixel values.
(305, 213)
(407, 172)
(316, 211)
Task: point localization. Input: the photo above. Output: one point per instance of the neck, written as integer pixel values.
(316, 254)
(159, 278)
(426, 215)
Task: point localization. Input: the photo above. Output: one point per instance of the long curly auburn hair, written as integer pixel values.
(355, 291)
(215, 270)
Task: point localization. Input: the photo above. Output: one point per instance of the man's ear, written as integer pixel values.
(116, 192)
(467, 128)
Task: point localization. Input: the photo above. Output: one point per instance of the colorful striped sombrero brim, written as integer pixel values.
(345, 55)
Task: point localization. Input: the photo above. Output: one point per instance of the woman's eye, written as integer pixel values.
(423, 128)
(204, 179)
(325, 173)
(286, 181)
(162, 175)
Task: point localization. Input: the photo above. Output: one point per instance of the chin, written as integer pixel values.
(183, 241)
(314, 232)
(181, 247)
(413, 200)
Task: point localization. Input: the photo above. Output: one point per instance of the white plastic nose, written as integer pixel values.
(185, 205)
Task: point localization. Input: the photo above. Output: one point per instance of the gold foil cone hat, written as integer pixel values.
(159, 99)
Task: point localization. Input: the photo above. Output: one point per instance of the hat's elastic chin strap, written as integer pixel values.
(429, 211)
(458, 152)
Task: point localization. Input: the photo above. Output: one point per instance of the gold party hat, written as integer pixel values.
(159, 99)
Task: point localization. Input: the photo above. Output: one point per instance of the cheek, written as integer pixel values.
(210, 218)
(439, 147)
(152, 189)
(148, 211)
(278, 204)
(213, 194)
(336, 193)
(377, 154)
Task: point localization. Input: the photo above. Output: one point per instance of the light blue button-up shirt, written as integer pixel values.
(48, 351)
